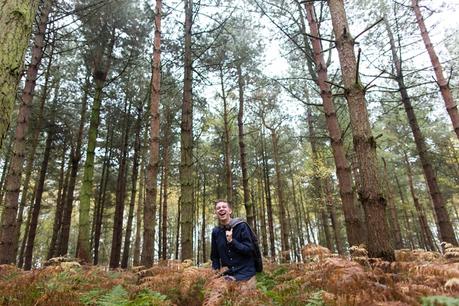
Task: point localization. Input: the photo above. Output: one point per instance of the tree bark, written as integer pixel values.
(135, 174)
(149, 217)
(395, 224)
(8, 231)
(186, 156)
(227, 143)
(443, 84)
(37, 205)
(426, 232)
(354, 227)
(61, 194)
(16, 21)
(283, 220)
(75, 158)
(117, 234)
(445, 225)
(102, 193)
(370, 192)
(269, 209)
(249, 206)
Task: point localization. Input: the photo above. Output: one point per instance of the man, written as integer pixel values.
(232, 247)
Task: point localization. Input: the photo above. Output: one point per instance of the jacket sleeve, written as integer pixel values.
(214, 257)
(243, 244)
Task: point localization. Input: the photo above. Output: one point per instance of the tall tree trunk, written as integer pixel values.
(9, 228)
(166, 161)
(283, 220)
(75, 157)
(204, 221)
(298, 219)
(226, 142)
(37, 205)
(408, 230)
(186, 158)
(101, 199)
(117, 234)
(445, 225)
(83, 252)
(149, 216)
(140, 205)
(354, 227)
(101, 70)
(16, 21)
(317, 180)
(62, 189)
(426, 233)
(443, 84)
(395, 224)
(269, 209)
(26, 230)
(328, 190)
(249, 206)
(135, 174)
(34, 143)
(262, 210)
(370, 192)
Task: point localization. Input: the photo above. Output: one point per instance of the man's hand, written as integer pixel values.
(229, 235)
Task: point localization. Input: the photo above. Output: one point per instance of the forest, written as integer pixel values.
(331, 127)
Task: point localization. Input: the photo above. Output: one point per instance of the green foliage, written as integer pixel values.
(117, 296)
(439, 300)
(147, 297)
(316, 299)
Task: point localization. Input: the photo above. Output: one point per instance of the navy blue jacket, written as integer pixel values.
(237, 255)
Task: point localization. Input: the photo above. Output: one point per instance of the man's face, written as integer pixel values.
(223, 212)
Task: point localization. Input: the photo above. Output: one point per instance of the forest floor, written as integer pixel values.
(415, 278)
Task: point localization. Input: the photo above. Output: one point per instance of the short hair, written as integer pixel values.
(222, 200)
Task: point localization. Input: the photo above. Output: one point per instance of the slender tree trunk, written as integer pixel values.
(227, 143)
(283, 220)
(370, 193)
(26, 230)
(186, 162)
(101, 200)
(135, 173)
(328, 189)
(354, 227)
(443, 84)
(101, 69)
(395, 224)
(204, 221)
(16, 21)
(262, 211)
(37, 205)
(249, 207)
(177, 233)
(166, 148)
(427, 234)
(298, 219)
(149, 217)
(409, 231)
(63, 182)
(445, 225)
(83, 252)
(75, 161)
(140, 205)
(117, 234)
(269, 209)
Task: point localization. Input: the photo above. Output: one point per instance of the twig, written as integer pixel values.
(358, 66)
(371, 26)
(368, 85)
(337, 85)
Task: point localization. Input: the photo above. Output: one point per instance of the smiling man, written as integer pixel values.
(232, 247)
